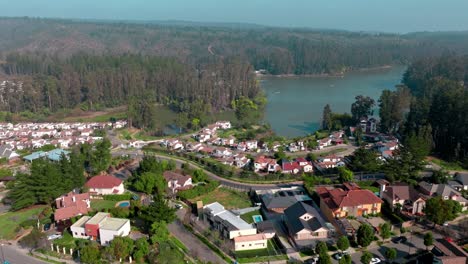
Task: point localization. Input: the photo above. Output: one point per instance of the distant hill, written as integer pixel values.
(278, 50)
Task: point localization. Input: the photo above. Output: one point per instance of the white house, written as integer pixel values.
(105, 184)
(100, 227)
(176, 181)
(223, 124)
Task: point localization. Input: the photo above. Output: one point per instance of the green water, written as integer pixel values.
(295, 105)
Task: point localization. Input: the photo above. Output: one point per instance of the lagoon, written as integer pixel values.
(295, 104)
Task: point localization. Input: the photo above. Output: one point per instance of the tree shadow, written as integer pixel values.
(308, 127)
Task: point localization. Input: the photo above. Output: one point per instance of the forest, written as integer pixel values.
(438, 110)
(277, 50)
(48, 83)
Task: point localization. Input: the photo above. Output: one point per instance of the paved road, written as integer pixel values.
(17, 256)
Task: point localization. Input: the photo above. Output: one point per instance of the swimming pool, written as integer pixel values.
(124, 204)
(257, 218)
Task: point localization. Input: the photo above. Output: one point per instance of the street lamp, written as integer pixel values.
(3, 254)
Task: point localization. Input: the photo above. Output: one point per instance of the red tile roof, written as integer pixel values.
(79, 208)
(289, 166)
(70, 199)
(338, 198)
(103, 182)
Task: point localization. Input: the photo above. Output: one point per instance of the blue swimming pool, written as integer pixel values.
(257, 218)
(124, 204)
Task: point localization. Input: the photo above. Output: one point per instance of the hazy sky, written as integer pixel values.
(367, 15)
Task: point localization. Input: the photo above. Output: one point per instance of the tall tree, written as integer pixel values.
(362, 107)
(327, 120)
(342, 243)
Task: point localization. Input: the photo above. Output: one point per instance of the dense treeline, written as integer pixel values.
(48, 180)
(94, 81)
(440, 104)
(278, 50)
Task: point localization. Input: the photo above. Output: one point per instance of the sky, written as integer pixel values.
(400, 16)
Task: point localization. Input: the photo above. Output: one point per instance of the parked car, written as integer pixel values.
(338, 256)
(54, 236)
(375, 261)
(46, 227)
(400, 239)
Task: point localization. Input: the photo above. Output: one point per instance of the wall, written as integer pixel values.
(258, 244)
(106, 236)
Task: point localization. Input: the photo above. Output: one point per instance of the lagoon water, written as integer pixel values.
(295, 104)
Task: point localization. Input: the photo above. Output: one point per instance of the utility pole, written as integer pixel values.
(3, 254)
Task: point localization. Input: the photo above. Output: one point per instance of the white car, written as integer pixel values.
(375, 261)
(54, 236)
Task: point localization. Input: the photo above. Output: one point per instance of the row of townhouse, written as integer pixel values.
(64, 135)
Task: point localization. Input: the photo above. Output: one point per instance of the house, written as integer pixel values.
(462, 177)
(305, 223)
(176, 181)
(71, 205)
(368, 125)
(251, 144)
(105, 184)
(277, 200)
(7, 152)
(100, 227)
(445, 191)
(447, 252)
(240, 160)
(329, 162)
(174, 144)
(265, 164)
(229, 141)
(305, 165)
(226, 222)
(290, 167)
(324, 142)
(194, 147)
(347, 201)
(202, 137)
(404, 196)
(223, 124)
(222, 152)
(249, 242)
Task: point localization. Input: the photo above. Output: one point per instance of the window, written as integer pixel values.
(82, 234)
(76, 233)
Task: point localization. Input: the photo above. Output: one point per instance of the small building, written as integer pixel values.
(100, 227)
(7, 152)
(462, 177)
(53, 155)
(105, 184)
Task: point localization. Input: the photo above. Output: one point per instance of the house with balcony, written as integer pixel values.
(445, 191)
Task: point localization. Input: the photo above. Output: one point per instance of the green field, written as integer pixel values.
(99, 205)
(9, 222)
(228, 198)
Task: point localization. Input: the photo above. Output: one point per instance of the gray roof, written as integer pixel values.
(283, 199)
(296, 224)
(462, 177)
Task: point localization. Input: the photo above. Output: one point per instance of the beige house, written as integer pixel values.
(257, 241)
(404, 197)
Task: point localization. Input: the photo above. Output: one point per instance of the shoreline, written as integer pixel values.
(324, 75)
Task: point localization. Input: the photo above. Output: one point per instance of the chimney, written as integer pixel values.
(74, 198)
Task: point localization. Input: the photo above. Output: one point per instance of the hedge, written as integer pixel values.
(118, 197)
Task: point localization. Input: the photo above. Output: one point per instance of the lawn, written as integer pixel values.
(248, 216)
(271, 253)
(9, 222)
(446, 165)
(367, 185)
(228, 198)
(331, 152)
(99, 205)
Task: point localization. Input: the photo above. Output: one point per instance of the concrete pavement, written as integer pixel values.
(14, 255)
